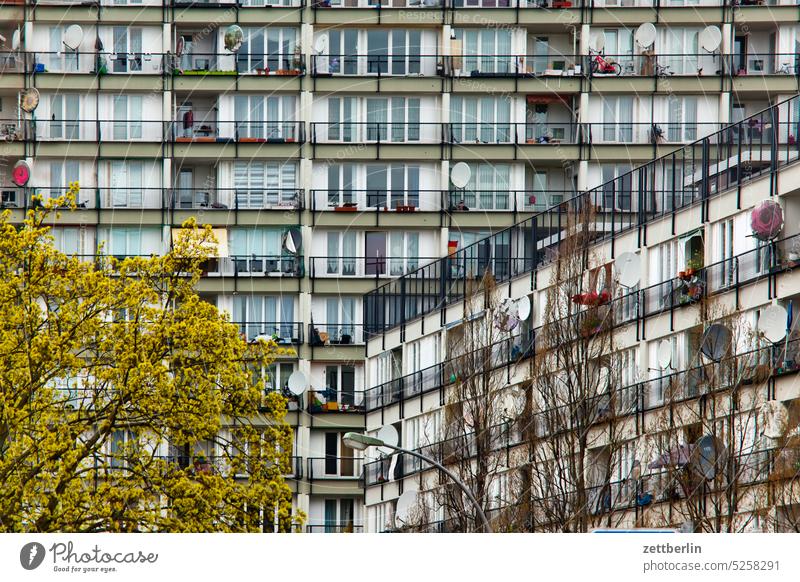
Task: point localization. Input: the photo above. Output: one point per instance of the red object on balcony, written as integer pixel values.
(452, 246)
(562, 4)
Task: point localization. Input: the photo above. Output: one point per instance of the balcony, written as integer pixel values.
(334, 468)
(335, 528)
(566, 132)
(479, 65)
(335, 334)
(214, 131)
(352, 200)
(236, 199)
(376, 132)
(238, 3)
(365, 267)
(505, 200)
(648, 133)
(655, 65)
(283, 333)
(372, 4)
(376, 65)
(221, 64)
(96, 63)
(764, 64)
(336, 401)
(255, 266)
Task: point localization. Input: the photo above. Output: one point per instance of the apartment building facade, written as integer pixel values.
(319, 145)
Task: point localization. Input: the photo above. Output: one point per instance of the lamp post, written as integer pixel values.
(361, 442)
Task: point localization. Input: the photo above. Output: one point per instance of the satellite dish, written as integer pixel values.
(772, 323)
(710, 38)
(29, 100)
(716, 342)
(321, 44)
(15, 40)
(388, 434)
(234, 37)
(766, 220)
(180, 46)
(73, 37)
(297, 383)
(645, 35)
(775, 419)
(629, 269)
(524, 307)
(292, 241)
(597, 42)
(21, 173)
(405, 506)
(664, 354)
(460, 175)
(708, 457)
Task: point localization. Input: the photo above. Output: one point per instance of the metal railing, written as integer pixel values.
(365, 267)
(493, 65)
(341, 401)
(648, 132)
(335, 468)
(655, 65)
(378, 65)
(505, 200)
(255, 266)
(236, 198)
(288, 332)
(688, 175)
(240, 63)
(335, 334)
(513, 133)
(352, 200)
(376, 132)
(766, 63)
(335, 528)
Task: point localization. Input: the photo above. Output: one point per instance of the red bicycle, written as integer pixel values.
(600, 65)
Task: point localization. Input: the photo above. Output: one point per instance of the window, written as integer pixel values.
(64, 116)
(340, 385)
(403, 252)
(480, 119)
(341, 117)
(62, 58)
(123, 241)
(393, 52)
(127, 117)
(486, 50)
(662, 376)
(618, 119)
(62, 174)
(682, 122)
(725, 272)
(264, 184)
(681, 55)
(126, 184)
(270, 48)
(342, 184)
(488, 187)
(277, 376)
(392, 186)
(270, 118)
(127, 49)
(617, 187)
(395, 119)
(628, 376)
(69, 240)
(340, 319)
(342, 253)
(619, 46)
(119, 442)
(339, 515)
(344, 49)
(269, 315)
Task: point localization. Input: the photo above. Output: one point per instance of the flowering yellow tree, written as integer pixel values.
(126, 402)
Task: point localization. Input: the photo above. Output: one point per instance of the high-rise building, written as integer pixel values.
(319, 141)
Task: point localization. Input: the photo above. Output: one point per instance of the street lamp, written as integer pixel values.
(361, 442)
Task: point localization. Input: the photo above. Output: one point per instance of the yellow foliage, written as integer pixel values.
(115, 379)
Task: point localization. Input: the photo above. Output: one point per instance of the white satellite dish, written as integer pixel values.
(664, 354)
(524, 307)
(460, 175)
(15, 40)
(388, 434)
(297, 383)
(597, 42)
(710, 38)
(629, 269)
(321, 44)
(645, 35)
(405, 506)
(772, 323)
(73, 37)
(775, 419)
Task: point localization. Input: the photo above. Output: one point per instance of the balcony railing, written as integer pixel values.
(241, 63)
(656, 65)
(768, 63)
(493, 65)
(647, 132)
(376, 132)
(505, 200)
(513, 133)
(255, 266)
(372, 4)
(335, 334)
(284, 333)
(365, 267)
(377, 65)
(694, 172)
(237, 198)
(334, 468)
(341, 401)
(240, 3)
(353, 200)
(335, 528)
(260, 131)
